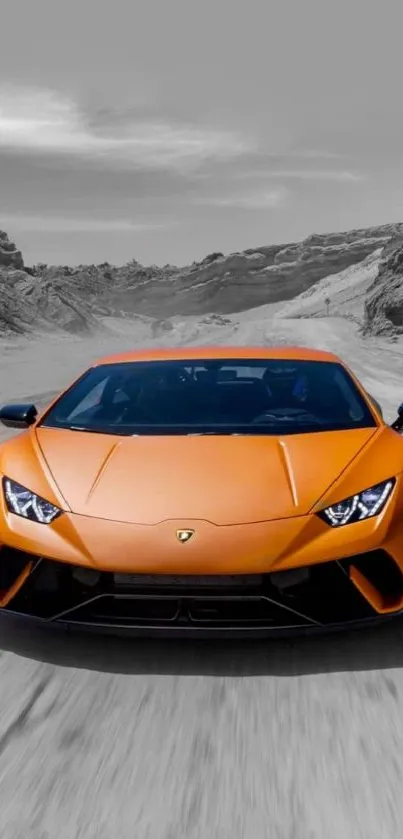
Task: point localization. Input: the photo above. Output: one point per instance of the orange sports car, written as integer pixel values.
(204, 490)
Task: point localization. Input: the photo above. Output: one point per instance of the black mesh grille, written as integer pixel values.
(321, 595)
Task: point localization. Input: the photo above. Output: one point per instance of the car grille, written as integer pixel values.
(317, 595)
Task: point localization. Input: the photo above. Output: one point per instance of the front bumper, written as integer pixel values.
(337, 594)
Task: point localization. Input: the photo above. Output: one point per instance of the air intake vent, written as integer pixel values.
(14, 568)
(378, 578)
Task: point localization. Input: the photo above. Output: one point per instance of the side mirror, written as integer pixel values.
(398, 423)
(18, 416)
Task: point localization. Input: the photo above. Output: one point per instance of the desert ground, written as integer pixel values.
(103, 737)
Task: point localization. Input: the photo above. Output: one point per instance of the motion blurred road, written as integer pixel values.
(103, 737)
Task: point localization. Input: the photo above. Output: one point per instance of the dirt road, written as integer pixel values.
(103, 738)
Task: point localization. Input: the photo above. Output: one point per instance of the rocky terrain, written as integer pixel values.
(77, 299)
(384, 299)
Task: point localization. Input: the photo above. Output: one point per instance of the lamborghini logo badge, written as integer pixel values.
(184, 535)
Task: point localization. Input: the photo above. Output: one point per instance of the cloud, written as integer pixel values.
(251, 201)
(44, 122)
(61, 224)
(305, 175)
(314, 154)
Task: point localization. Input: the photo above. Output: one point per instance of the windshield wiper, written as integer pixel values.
(119, 433)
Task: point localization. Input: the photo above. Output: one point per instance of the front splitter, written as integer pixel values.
(199, 632)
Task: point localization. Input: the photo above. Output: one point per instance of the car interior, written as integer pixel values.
(169, 394)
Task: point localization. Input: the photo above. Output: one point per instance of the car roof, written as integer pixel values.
(225, 352)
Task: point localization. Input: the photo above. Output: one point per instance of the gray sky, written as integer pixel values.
(162, 130)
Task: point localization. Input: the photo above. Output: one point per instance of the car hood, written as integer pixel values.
(224, 480)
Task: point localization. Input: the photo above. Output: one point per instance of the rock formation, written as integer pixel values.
(384, 302)
(10, 257)
(75, 299)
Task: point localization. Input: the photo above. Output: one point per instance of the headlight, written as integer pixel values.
(358, 507)
(25, 503)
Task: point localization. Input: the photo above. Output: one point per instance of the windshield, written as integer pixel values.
(233, 396)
